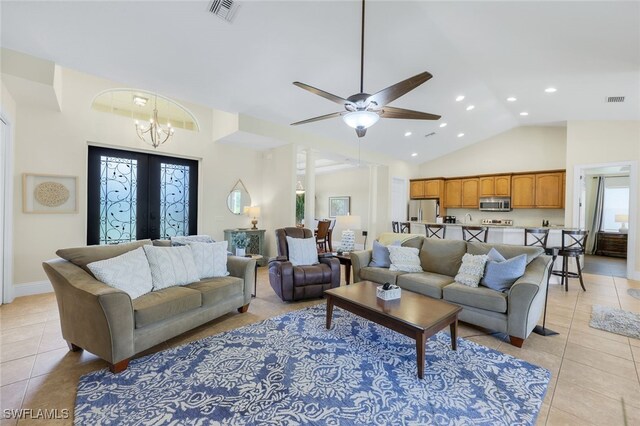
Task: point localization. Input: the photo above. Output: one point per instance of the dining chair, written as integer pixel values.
(322, 235)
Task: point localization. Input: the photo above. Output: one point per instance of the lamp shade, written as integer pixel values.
(361, 119)
(349, 222)
(253, 211)
(622, 218)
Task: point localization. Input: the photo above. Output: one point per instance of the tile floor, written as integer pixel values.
(594, 373)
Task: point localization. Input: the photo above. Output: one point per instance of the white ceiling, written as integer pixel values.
(484, 50)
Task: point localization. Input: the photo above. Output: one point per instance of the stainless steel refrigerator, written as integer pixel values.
(423, 210)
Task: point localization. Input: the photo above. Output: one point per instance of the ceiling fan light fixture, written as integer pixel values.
(361, 119)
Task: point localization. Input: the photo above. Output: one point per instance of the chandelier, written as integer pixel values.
(156, 133)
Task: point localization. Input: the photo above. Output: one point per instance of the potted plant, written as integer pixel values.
(240, 241)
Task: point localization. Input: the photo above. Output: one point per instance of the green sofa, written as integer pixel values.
(515, 312)
(106, 322)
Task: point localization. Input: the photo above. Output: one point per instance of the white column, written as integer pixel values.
(310, 189)
(371, 227)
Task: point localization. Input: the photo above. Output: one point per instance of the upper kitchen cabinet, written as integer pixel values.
(416, 189)
(549, 192)
(495, 186)
(470, 189)
(452, 193)
(523, 191)
(429, 189)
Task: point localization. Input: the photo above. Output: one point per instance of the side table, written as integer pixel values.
(345, 259)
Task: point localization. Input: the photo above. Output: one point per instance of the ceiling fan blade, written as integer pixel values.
(361, 132)
(326, 95)
(392, 93)
(392, 112)
(321, 117)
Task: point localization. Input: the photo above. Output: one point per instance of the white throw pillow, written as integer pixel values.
(471, 270)
(171, 266)
(303, 251)
(128, 272)
(210, 258)
(405, 259)
(184, 240)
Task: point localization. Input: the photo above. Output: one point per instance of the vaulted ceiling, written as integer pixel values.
(486, 51)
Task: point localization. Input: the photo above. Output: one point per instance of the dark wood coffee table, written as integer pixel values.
(413, 315)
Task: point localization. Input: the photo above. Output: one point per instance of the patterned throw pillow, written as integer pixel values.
(303, 251)
(404, 259)
(128, 272)
(210, 258)
(183, 241)
(471, 270)
(171, 266)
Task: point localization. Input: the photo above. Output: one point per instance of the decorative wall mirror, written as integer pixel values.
(238, 198)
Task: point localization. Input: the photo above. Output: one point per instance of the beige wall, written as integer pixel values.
(353, 183)
(8, 104)
(55, 142)
(600, 142)
(519, 149)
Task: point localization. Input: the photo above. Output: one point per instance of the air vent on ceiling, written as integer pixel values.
(429, 134)
(225, 9)
(615, 99)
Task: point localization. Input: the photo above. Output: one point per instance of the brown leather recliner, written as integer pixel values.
(300, 282)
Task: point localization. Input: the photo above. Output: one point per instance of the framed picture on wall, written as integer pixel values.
(339, 206)
(49, 193)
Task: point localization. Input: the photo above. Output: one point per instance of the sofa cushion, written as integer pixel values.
(380, 275)
(82, 256)
(184, 240)
(404, 259)
(128, 272)
(500, 275)
(210, 258)
(164, 304)
(404, 240)
(215, 290)
(171, 266)
(380, 255)
(506, 250)
(312, 274)
(442, 256)
(471, 270)
(427, 283)
(478, 297)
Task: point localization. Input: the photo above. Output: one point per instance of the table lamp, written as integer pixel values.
(623, 219)
(349, 223)
(254, 212)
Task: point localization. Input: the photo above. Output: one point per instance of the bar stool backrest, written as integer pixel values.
(536, 237)
(475, 233)
(395, 226)
(435, 231)
(574, 240)
(404, 227)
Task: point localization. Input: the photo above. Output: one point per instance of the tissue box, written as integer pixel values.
(393, 293)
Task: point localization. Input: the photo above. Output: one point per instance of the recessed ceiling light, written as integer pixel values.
(470, 107)
(443, 124)
(415, 154)
(460, 135)
(460, 98)
(511, 99)
(407, 133)
(524, 113)
(550, 90)
(139, 100)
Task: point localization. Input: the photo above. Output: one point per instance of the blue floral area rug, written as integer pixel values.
(290, 370)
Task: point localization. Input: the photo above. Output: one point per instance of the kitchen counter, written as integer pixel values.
(550, 228)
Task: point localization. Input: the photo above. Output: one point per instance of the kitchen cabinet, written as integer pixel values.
(495, 186)
(416, 189)
(470, 189)
(453, 193)
(433, 188)
(548, 192)
(523, 190)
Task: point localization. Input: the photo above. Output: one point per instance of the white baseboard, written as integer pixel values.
(635, 275)
(28, 289)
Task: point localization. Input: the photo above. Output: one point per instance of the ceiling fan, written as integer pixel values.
(363, 110)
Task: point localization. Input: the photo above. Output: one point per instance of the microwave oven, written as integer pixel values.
(495, 204)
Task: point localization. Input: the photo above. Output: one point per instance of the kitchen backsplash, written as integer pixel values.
(520, 217)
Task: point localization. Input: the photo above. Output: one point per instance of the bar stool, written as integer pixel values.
(537, 237)
(475, 233)
(435, 231)
(573, 243)
(395, 227)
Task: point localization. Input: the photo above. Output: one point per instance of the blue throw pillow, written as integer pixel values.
(380, 256)
(500, 275)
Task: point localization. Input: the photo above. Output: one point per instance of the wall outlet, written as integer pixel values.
(364, 233)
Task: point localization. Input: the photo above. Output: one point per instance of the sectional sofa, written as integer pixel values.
(515, 312)
(106, 322)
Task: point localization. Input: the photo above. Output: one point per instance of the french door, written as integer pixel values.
(133, 196)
